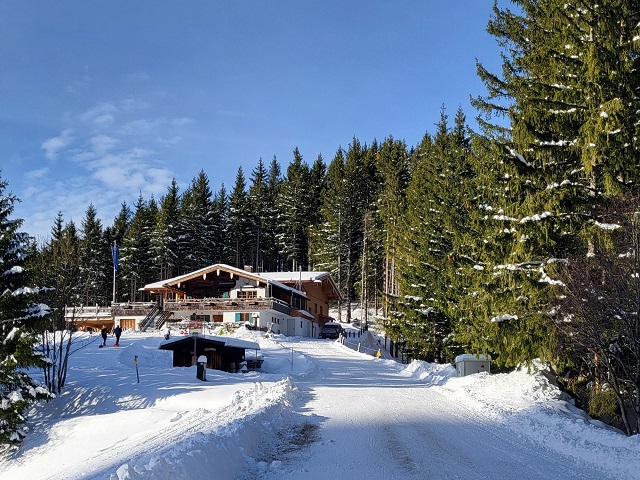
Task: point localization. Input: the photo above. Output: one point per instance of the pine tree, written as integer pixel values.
(293, 204)
(58, 267)
(239, 226)
(274, 261)
(329, 244)
(570, 92)
(198, 234)
(164, 239)
(114, 235)
(220, 208)
(357, 202)
(317, 184)
(395, 174)
(18, 312)
(258, 211)
(430, 256)
(136, 254)
(95, 260)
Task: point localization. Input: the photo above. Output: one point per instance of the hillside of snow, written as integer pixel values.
(316, 410)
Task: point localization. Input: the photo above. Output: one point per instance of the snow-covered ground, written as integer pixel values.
(318, 410)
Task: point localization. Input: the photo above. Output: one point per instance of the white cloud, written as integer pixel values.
(53, 145)
(179, 122)
(101, 144)
(140, 126)
(169, 141)
(142, 76)
(37, 173)
(101, 114)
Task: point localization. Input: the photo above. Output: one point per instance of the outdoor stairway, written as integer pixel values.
(161, 318)
(149, 319)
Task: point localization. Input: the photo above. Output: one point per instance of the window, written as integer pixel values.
(247, 294)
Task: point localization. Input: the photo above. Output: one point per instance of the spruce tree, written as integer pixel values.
(164, 239)
(58, 267)
(328, 242)
(258, 211)
(136, 254)
(429, 254)
(393, 167)
(293, 204)
(18, 314)
(95, 260)
(199, 236)
(274, 261)
(569, 92)
(220, 209)
(239, 226)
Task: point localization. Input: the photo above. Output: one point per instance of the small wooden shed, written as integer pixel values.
(223, 353)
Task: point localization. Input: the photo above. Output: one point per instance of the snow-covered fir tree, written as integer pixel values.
(569, 93)
(19, 313)
(95, 260)
(239, 228)
(293, 205)
(164, 237)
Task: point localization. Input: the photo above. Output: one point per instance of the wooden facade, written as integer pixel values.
(221, 353)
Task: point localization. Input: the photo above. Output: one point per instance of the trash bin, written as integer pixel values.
(201, 369)
(468, 364)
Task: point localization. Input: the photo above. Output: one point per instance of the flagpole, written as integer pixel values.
(114, 255)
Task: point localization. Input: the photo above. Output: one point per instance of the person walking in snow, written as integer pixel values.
(103, 332)
(118, 331)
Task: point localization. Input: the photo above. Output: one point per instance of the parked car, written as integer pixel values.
(330, 330)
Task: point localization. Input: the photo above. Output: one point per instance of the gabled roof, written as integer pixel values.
(303, 277)
(173, 283)
(226, 341)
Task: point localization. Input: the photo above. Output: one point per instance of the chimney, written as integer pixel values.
(248, 268)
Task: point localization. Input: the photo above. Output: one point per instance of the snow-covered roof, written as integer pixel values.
(295, 276)
(227, 341)
(473, 356)
(302, 277)
(170, 282)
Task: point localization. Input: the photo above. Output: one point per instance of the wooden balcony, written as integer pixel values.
(133, 308)
(227, 305)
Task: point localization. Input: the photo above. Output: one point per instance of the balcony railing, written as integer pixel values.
(228, 304)
(132, 308)
(87, 311)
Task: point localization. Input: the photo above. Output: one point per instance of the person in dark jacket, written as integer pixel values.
(103, 332)
(117, 331)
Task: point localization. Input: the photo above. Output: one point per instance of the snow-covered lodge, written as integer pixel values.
(290, 303)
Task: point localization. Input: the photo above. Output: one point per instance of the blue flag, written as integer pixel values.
(115, 251)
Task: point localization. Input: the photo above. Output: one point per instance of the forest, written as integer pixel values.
(518, 240)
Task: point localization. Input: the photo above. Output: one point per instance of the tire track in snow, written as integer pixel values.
(378, 420)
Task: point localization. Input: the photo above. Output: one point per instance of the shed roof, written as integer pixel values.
(226, 341)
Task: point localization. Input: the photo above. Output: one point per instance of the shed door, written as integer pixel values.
(291, 327)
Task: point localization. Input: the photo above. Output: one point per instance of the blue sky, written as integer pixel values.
(102, 100)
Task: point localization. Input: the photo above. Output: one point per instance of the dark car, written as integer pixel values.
(330, 330)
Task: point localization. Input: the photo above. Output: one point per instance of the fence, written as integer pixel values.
(358, 347)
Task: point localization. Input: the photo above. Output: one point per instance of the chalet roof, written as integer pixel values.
(303, 277)
(296, 276)
(258, 277)
(226, 341)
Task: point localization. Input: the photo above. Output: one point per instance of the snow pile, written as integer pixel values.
(530, 406)
(223, 441)
(429, 373)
